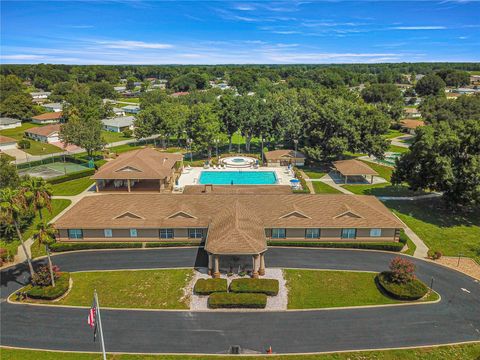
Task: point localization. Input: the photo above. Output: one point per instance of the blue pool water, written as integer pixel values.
(238, 177)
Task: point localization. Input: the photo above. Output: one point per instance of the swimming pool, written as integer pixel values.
(238, 177)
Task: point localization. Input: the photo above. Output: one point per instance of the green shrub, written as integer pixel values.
(50, 292)
(127, 133)
(412, 290)
(71, 176)
(387, 246)
(210, 286)
(434, 254)
(299, 176)
(263, 286)
(237, 300)
(170, 244)
(23, 144)
(61, 247)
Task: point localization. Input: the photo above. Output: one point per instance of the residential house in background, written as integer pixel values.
(48, 118)
(410, 125)
(9, 123)
(53, 107)
(119, 89)
(118, 111)
(7, 143)
(46, 134)
(40, 94)
(475, 79)
(284, 157)
(412, 112)
(131, 109)
(118, 124)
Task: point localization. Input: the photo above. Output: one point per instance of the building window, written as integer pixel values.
(107, 232)
(75, 233)
(349, 233)
(375, 232)
(278, 233)
(166, 233)
(195, 233)
(133, 232)
(312, 233)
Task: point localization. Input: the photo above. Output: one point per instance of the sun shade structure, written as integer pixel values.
(352, 167)
(143, 170)
(284, 157)
(229, 224)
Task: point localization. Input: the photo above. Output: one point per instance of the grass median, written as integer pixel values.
(309, 289)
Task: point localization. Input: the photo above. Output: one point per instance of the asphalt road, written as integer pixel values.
(455, 319)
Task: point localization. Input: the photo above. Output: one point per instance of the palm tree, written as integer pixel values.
(12, 205)
(45, 235)
(38, 192)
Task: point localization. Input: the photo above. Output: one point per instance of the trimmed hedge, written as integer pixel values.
(50, 292)
(237, 300)
(387, 246)
(210, 286)
(257, 286)
(71, 176)
(412, 290)
(170, 244)
(61, 247)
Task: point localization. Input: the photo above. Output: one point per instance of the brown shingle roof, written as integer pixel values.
(238, 190)
(48, 116)
(411, 123)
(144, 163)
(283, 155)
(353, 167)
(6, 139)
(46, 130)
(236, 223)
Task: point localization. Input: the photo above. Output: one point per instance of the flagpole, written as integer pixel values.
(100, 325)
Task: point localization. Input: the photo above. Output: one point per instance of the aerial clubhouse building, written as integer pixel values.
(234, 228)
(139, 170)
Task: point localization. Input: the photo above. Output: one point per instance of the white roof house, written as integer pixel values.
(119, 88)
(118, 111)
(9, 123)
(118, 124)
(132, 109)
(56, 107)
(40, 94)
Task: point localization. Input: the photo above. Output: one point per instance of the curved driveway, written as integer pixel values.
(455, 319)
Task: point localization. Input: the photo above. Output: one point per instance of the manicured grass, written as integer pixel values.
(385, 189)
(313, 173)
(440, 228)
(411, 245)
(453, 352)
(72, 187)
(134, 100)
(309, 289)
(393, 134)
(322, 188)
(36, 147)
(397, 149)
(124, 148)
(111, 137)
(383, 171)
(147, 289)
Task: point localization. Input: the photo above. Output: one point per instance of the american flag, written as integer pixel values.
(92, 319)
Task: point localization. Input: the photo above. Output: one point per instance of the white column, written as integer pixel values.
(216, 273)
(261, 270)
(255, 269)
(210, 264)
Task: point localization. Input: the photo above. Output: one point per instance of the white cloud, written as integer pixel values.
(419, 28)
(128, 44)
(244, 7)
(23, 57)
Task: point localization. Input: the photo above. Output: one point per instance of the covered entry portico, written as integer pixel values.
(255, 264)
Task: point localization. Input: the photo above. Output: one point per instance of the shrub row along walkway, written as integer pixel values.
(454, 319)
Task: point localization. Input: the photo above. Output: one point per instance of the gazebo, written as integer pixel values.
(352, 168)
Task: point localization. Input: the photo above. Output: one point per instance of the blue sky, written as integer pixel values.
(231, 32)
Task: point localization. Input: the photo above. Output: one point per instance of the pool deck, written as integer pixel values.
(193, 175)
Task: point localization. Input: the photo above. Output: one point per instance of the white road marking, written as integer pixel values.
(467, 291)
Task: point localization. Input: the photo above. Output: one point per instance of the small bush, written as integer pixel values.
(262, 286)
(170, 244)
(434, 254)
(127, 133)
(71, 176)
(303, 182)
(210, 286)
(402, 270)
(23, 144)
(61, 247)
(236, 300)
(42, 275)
(50, 292)
(412, 290)
(386, 246)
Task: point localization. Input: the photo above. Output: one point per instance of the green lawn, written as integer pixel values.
(393, 134)
(111, 137)
(453, 352)
(124, 148)
(134, 100)
(322, 188)
(440, 228)
(411, 245)
(397, 149)
(313, 173)
(72, 187)
(308, 289)
(385, 189)
(147, 289)
(36, 147)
